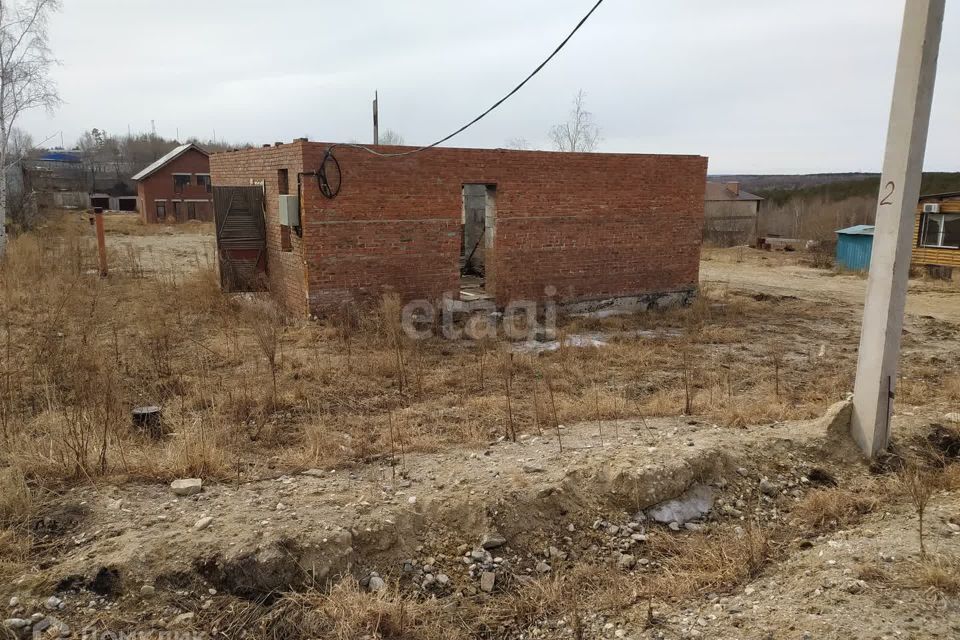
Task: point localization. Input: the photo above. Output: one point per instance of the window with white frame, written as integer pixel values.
(940, 230)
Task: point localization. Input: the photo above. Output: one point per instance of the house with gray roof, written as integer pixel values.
(176, 187)
(731, 215)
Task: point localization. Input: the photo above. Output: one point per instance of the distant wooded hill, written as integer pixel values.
(832, 186)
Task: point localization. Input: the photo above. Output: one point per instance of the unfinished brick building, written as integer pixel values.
(583, 227)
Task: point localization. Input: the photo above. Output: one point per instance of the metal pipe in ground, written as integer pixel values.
(101, 241)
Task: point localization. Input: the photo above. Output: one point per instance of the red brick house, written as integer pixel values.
(576, 227)
(176, 187)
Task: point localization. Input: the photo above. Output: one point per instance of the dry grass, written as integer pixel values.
(715, 561)
(583, 589)
(691, 565)
(950, 387)
(951, 477)
(131, 224)
(238, 382)
(919, 484)
(16, 507)
(938, 573)
(873, 572)
(16, 499)
(242, 386)
(79, 352)
(348, 612)
(14, 554)
(828, 509)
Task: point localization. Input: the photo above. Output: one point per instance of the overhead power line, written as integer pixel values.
(330, 163)
(495, 104)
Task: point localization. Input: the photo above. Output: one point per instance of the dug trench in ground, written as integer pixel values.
(262, 538)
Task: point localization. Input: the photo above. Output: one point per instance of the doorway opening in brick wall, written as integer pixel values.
(476, 246)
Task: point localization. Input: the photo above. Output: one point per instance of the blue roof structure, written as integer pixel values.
(854, 246)
(60, 156)
(857, 230)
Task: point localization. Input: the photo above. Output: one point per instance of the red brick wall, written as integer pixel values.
(286, 269)
(395, 226)
(591, 225)
(598, 225)
(159, 186)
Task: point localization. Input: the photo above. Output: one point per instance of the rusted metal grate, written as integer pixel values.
(241, 238)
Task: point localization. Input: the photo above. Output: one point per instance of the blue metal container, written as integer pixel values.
(854, 246)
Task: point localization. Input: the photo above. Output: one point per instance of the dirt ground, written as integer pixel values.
(783, 274)
(137, 557)
(192, 246)
(317, 527)
(161, 248)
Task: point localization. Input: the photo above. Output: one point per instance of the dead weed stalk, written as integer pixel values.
(919, 485)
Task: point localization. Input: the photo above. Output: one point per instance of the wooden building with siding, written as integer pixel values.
(936, 231)
(731, 215)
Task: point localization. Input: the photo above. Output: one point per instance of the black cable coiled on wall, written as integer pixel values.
(329, 188)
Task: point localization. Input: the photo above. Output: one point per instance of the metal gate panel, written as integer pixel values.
(241, 238)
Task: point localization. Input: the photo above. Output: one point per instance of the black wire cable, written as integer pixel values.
(495, 104)
(330, 192)
(323, 180)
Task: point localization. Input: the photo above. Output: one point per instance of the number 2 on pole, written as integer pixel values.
(891, 187)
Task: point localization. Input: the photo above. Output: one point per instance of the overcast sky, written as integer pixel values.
(757, 86)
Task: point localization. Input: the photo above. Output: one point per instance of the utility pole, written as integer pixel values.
(899, 193)
(376, 120)
(153, 139)
(101, 242)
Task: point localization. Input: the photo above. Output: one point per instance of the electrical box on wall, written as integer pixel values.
(290, 211)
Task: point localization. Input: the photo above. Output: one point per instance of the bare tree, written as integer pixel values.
(19, 200)
(579, 132)
(391, 137)
(519, 143)
(798, 208)
(19, 145)
(25, 62)
(90, 143)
